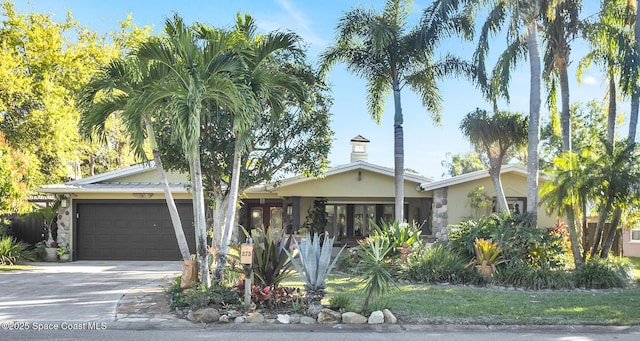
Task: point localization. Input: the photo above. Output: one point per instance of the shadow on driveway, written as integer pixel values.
(76, 291)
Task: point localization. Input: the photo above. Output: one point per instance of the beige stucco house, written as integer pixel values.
(122, 214)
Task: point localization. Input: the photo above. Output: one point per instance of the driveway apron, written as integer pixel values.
(82, 291)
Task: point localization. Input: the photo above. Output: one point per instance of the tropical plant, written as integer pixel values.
(534, 278)
(11, 250)
(478, 200)
(341, 302)
(268, 86)
(598, 273)
(270, 261)
(377, 47)
(314, 266)
(200, 67)
(396, 234)
(496, 136)
(116, 90)
(438, 264)
(47, 215)
(487, 253)
(522, 18)
(463, 163)
(375, 269)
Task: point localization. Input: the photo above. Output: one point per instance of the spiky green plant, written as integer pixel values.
(314, 266)
(375, 268)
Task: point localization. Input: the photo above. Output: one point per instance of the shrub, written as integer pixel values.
(270, 262)
(396, 234)
(375, 269)
(200, 296)
(599, 273)
(11, 250)
(438, 264)
(535, 278)
(341, 302)
(314, 266)
(521, 243)
(348, 261)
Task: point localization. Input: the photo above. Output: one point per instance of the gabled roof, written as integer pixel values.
(107, 183)
(477, 175)
(355, 165)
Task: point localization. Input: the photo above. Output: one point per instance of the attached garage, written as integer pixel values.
(129, 230)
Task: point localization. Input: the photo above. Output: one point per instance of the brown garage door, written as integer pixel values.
(133, 230)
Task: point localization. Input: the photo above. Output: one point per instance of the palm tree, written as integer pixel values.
(377, 47)
(495, 135)
(268, 85)
(115, 91)
(197, 71)
(607, 37)
(522, 17)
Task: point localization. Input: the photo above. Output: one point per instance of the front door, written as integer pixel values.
(265, 216)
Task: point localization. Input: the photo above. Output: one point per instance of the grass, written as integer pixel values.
(7, 268)
(440, 304)
(636, 263)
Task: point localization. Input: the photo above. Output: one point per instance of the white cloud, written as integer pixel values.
(590, 80)
(293, 19)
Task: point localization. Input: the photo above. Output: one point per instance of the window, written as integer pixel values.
(635, 235)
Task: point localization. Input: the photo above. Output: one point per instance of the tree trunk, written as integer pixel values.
(602, 217)
(611, 234)
(220, 202)
(171, 204)
(611, 115)
(534, 122)
(231, 209)
(502, 205)
(199, 219)
(398, 154)
(635, 95)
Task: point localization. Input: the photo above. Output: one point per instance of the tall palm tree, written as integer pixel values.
(495, 135)
(198, 71)
(522, 18)
(607, 37)
(115, 90)
(268, 85)
(379, 48)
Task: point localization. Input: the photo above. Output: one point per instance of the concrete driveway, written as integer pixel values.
(76, 291)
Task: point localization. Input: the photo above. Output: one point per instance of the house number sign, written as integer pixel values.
(246, 254)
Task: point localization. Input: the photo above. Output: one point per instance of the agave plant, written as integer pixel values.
(314, 266)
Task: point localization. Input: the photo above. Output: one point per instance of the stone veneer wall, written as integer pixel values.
(64, 226)
(440, 214)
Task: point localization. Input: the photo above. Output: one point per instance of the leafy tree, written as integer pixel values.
(269, 86)
(522, 19)
(13, 173)
(198, 70)
(378, 47)
(464, 163)
(115, 91)
(44, 64)
(495, 135)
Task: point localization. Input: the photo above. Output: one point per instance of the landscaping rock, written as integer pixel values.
(376, 317)
(307, 320)
(190, 316)
(389, 318)
(284, 318)
(295, 318)
(224, 319)
(239, 319)
(328, 316)
(270, 321)
(233, 313)
(206, 315)
(353, 318)
(254, 318)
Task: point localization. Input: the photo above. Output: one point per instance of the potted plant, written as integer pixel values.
(63, 253)
(488, 255)
(47, 215)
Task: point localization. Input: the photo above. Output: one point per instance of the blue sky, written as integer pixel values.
(426, 145)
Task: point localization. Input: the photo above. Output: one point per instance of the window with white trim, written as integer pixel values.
(635, 235)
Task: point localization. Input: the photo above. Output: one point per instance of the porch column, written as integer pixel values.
(295, 219)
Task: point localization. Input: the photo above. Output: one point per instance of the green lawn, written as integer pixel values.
(6, 268)
(636, 262)
(434, 304)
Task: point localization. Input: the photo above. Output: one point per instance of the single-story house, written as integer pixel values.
(122, 214)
